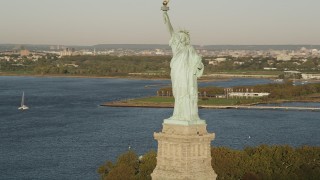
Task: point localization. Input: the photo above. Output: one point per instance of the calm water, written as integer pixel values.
(67, 135)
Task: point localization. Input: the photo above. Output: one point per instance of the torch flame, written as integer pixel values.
(166, 2)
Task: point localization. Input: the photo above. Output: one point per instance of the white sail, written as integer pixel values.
(22, 100)
(23, 107)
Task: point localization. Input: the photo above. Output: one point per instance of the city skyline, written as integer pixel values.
(93, 22)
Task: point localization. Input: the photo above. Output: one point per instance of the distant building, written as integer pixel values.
(214, 63)
(248, 94)
(303, 60)
(24, 52)
(87, 53)
(303, 50)
(310, 76)
(269, 68)
(238, 62)
(314, 52)
(292, 74)
(66, 52)
(72, 65)
(284, 57)
(270, 62)
(159, 52)
(220, 59)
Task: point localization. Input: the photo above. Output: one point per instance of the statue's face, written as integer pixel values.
(184, 37)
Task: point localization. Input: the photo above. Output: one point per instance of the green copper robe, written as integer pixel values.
(186, 67)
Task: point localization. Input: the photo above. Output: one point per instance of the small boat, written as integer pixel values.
(23, 107)
(278, 80)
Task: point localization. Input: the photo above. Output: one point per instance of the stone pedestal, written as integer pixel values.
(184, 153)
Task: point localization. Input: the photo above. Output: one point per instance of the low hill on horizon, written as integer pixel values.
(99, 47)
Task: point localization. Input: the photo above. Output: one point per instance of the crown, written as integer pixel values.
(185, 31)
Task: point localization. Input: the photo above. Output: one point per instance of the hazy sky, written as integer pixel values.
(89, 22)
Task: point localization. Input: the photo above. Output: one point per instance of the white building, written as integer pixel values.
(159, 52)
(269, 68)
(65, 52)
(238, 62)
(214, 63)
(247, 94)
(87, 53)
(284, 57)
(314, 52)
(220, 59)
(310, 76)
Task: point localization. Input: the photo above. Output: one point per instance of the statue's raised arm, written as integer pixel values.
(166, 18)
(167, 22)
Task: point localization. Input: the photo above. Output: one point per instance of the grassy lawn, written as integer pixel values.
(211, 101)
(244, 72)
(224, 102)
(154, 99)
(16, 72)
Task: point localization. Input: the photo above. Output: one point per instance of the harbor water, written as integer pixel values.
(66, 134)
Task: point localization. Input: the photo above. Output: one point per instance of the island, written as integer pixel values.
(240, 97)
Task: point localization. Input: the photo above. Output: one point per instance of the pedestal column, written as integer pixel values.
(184, 153)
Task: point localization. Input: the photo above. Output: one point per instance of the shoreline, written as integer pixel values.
(240, 106)
(225, 75)
(204, 79)
(81, 76)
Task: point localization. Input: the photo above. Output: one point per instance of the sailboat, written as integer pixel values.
(23, 107)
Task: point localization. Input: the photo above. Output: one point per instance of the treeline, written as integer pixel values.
(94, 65)
(129, 167)
(259, 63)
(113, 65)
(252, 163)
(158, 66)
(277, 91)
(285, 90)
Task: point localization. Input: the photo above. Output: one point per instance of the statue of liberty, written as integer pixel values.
(184, 144)
(186, 66)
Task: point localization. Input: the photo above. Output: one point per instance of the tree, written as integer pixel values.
(147, 165)
(262, 162)
(121, 172)
(126, 167)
